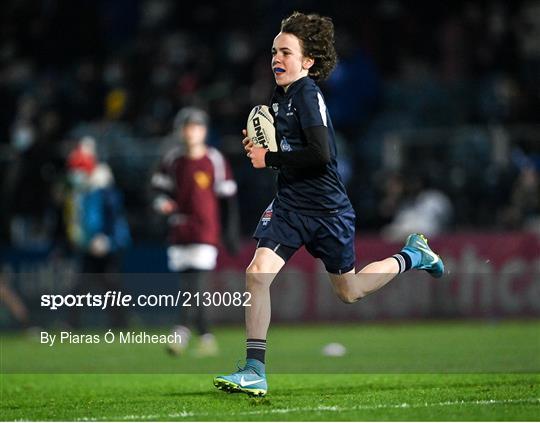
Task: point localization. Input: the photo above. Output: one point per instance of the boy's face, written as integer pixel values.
(193, 134)
(288, 62)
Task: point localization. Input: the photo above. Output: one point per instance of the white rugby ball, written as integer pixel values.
(260, 128)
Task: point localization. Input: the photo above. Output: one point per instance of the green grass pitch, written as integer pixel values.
(411, 371)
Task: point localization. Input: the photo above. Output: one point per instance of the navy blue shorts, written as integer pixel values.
(329, 237)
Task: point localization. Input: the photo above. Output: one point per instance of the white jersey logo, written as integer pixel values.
(284, 145)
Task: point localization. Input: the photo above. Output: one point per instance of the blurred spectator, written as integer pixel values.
(190, 181)
(26, 191)
(392, 197)
(422, 209)
(95, 225)
(524, 208)
(353, 89)
(527, 29)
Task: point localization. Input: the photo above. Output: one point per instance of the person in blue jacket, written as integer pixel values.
(96, 226)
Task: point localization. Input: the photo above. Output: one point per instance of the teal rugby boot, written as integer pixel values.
(250, 380)
(423, 258)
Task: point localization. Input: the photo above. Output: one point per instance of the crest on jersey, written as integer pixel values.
(266, 217)
(275, 107)
(202, 179)
(284, 145)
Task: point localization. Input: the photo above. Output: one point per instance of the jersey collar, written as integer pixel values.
(293, 87)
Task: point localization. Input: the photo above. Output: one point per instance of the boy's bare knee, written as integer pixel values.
(253, 268)
(257, 277)
(347, 295)
(258, 268)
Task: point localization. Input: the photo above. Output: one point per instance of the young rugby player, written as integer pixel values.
(311, 207)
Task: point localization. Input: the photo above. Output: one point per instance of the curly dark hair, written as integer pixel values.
(316, 34)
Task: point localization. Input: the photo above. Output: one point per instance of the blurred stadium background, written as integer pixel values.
(436, 107)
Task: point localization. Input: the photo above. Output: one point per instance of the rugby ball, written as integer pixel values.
(260, 128)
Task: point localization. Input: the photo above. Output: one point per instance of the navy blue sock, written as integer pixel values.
(404, 259)
(256, 349)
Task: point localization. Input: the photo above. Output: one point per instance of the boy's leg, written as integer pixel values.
(416, 254)
(207, 345)
(259, 275)
(279, 238)
(185, 285)
(352, 286)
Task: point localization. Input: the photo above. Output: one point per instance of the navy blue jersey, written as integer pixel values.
(316, 191)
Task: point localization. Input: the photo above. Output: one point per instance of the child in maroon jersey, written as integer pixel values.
(190, 181)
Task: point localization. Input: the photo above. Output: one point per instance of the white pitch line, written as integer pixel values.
(322, 408)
